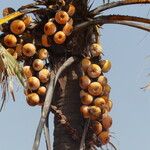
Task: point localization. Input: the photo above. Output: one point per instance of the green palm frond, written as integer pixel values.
(9, 69)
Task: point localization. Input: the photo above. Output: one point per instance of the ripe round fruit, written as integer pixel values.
(94, 111)
(17, 27)
(59, 37)
(96, 50)
(102, 80)
(27, 20)
(105, 65)
(42, 90)
(33, 99)
(87, 99)
(85, 111)
(27, 72)
(29, 49)
(99, 102)
(67, 29)
(110, 105)
(61, 17)
(104, 137)
(85, 63)
(43, 54)
(95, 88)
(10, 40)
(50, 28)
(45, 41)
(44, 75)
(33, 83)
(84, 82)
(106, 89)
(38, 64)
(97, 127)
(106, 121)
(71, 10)
(94, 71)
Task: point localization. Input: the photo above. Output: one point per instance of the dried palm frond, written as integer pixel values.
(9, 69)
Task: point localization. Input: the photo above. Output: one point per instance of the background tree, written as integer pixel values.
(77, 69)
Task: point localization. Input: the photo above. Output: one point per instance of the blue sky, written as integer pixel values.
(128, 49)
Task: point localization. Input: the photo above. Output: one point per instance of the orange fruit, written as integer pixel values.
(99, 102)
(85, 111)
(104, 137)
(87, 99)
(97, 127)
(33, 83)
(106, 89)
(102, 80)
(29, 49)
(45, 41)
(106, 121)
(85, 63)
(84, 82)
(44, 75)
(105, 65)
(38, 64)
(27, 20)
(94, 111)
(42, 90)
(33, 99)
(50, 28)
(96, 50)
(10, 40)
(95, 88)
(17, 27)
(110, 105)
(94, 71)
(71, 10)
(59, 37)
(61, 17)
(27, 72)
(67, 29)
(43, 54)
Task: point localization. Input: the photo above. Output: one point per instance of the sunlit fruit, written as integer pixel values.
(38, 64)
(110, 105)
(33, 99)
(29, 49)
(17, 27)
(99, 102)
(61, 17)
(106, 121)
(84, 82)
(33, 83)
(85, 63)
(96, 50)
(42, 90)
(67, 29)
(94, 71)
(95, 88)
(59, 37)
(102, 80)
(85, 111)
(19, 49)
(104, 137)
(105, 65)
(106, 89)
(43, 54)
(27, 20)
(27, 72)
(87, 99)
(71, 10)
(10, 40)
(94, 111)
(50, 28)
(44, 75)
(45, 41)
(97, 127)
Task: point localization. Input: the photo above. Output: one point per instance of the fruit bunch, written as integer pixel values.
(22, 41)
(95, 93)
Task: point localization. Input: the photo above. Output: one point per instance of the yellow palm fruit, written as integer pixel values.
(29, 49)
(96, 49)
(33, 83)
(33, 99)
(84, 82)
(104, 137)
(59, 37)
(43, 54)
(61, 17)
(105, 65)
(95, 88)
(10, 40)
(85, 63)
(38, 64)
(94, 71)
(50, 28)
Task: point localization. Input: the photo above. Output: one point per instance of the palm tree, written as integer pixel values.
(62, 96)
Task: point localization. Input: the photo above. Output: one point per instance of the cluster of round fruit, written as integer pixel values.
(58, 28)
(95, 93)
